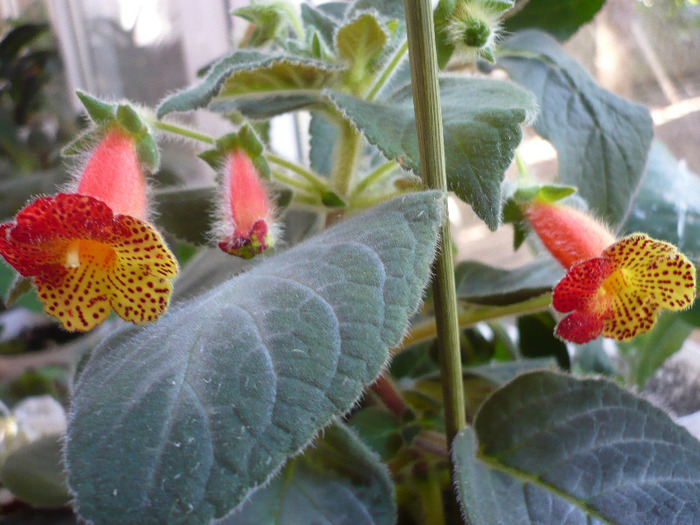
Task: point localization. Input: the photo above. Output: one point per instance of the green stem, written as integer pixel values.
(426, 100)
(311, 178)
(289, 181)
(426, 330)
(375, 177)
(182, 131)
(388, 70)
(346, 155)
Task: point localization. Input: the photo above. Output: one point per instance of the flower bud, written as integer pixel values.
(246, 226)
(114, 176)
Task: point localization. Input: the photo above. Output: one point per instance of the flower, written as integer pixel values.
(620, 293)
(246, 226)
(92, 250)
(85, 260)
(613, 288)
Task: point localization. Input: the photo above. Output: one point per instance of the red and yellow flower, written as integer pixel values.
(614, 290)
(92, 251)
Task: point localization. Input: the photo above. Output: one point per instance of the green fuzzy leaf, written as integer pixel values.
(481, 119)
(386, 9)
(270, 20)
(204, 406)
(339, 480)
(323, 135)
(130, 120)
(253, 73)
(653, 348)
(147, 152)
(100, 112)
(601, 139)
(667, 206)
(536, 338)
(266, 107)
(483, 284)
(34, 473)
(560, 19)
(186, 212)
(551, 449)
(360, 42)
(325, 25)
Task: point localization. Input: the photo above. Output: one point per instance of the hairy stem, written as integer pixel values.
(375, 177)
(388, 70)
(182, 131)
(426, 99)
(311, 178)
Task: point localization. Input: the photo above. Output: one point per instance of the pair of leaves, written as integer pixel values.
(551, 449)
(205, 406)
(601, 139)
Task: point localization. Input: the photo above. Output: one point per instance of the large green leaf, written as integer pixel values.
(483, 284)
(601, 139)
(551, 449)
(481, 119)
(337, 481)
(560, 19)
(667, 205)
(254, 74)
(204, 406)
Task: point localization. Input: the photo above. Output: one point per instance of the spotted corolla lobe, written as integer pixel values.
(620, 294)
(85, 260)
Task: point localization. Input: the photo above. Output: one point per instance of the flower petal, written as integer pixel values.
(140, 287)
(657, 269)
(580, 327)
(582, 284)
(80, 300)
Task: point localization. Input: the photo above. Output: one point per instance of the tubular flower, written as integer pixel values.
(246, 226)
(85, 260)
(113, 175)
(618, 291)
(92, 251)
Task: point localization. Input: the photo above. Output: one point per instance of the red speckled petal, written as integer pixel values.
(657, 269)
(80, 301)
(580, 327)
(581, 285)
(140, 285)
(83, 258)
(633, 312)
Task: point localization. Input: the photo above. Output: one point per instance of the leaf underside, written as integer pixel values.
(602, 140)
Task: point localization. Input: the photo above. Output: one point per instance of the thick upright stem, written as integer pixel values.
(345, 157)
(426, 97)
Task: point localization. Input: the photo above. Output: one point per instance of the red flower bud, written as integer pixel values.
(114, 176)
(246, 225)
